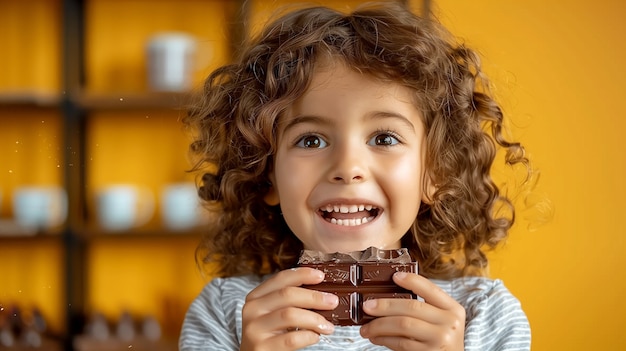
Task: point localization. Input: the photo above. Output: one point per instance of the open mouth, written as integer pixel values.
(349, 215)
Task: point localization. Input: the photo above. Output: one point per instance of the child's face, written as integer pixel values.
(350, 143)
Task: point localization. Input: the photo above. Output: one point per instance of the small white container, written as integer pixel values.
(171, 61)
(39, 207)
(124, 207)
(180, 206)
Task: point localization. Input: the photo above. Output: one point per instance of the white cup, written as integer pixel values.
(171, 61)
(123, 207)
(180, 206)
(39, 207)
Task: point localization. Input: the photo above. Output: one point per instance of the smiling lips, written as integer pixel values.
(349, 215)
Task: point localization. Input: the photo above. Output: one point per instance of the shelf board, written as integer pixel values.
(92, 231)
(141, 234)
(108, 101)
(46, 344)
(85, 343)
(133, 100)
(34, 98)
(11, 230)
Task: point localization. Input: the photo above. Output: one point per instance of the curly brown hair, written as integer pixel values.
(234, 122)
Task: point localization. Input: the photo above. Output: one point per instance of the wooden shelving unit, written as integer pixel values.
(91, 92)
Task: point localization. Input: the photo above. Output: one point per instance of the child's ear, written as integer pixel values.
(271, 198)
(429, 190)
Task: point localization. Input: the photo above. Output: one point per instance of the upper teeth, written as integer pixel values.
(347, 208)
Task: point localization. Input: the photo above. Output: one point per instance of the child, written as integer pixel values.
(338, 132)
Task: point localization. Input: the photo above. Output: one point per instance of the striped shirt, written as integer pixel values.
(494, 317)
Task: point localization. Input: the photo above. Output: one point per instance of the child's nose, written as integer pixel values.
(349, 166)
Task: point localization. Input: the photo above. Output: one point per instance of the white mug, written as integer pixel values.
(39, 207)
(123, 207)
(171, 61)
(180, 206)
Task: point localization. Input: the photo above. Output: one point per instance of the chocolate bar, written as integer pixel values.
(356, 277)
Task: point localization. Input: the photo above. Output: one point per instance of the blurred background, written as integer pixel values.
(89, 124)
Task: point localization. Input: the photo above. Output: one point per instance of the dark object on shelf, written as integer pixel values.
(25, 330)
(127, 332)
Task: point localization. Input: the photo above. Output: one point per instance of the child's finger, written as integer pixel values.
(285, 278)
(285, 329)
(399, 333)
(294, 319)
(424, 288)
(403, 307)
(294, 340)
(290, 297)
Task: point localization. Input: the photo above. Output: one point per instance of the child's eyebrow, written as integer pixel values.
(398, 116)
(319, 120)
(313, 119)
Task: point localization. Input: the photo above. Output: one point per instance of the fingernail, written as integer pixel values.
(326, 327)
(365, 330)
(330, 299)
(400, 275)
(371, 304)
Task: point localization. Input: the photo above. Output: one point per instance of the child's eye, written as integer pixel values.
(311, 142)
(383, 139)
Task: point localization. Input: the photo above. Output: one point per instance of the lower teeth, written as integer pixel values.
(350, 222)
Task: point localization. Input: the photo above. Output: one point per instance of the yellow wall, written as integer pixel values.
(30, 40)
(30, 148)
(145, 276)
(31, 276)
(264, 11)
(558, 68)
(117, 33)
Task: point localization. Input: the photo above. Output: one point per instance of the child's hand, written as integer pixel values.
(438, 323)
(275, 315)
